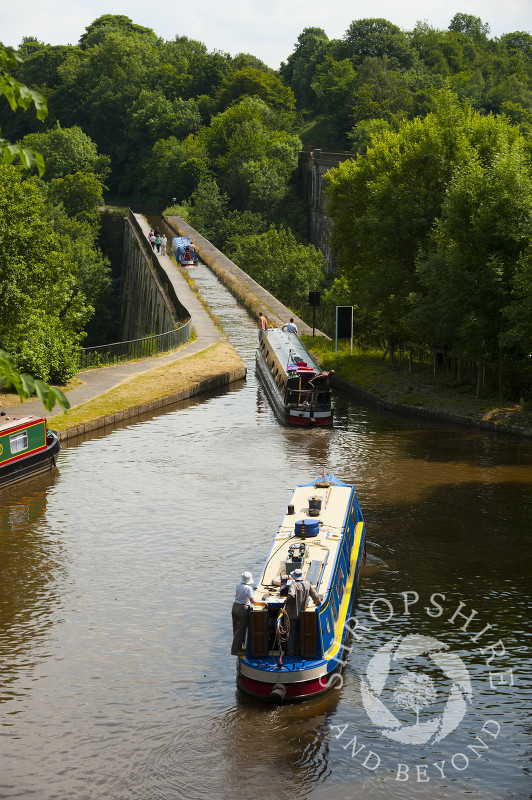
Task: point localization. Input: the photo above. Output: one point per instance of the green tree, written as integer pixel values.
(42, 313)
(78, 239)
(17, 95)
(174, 168)
(68, 150)
(375, 38)
(469, 25)
(98, 30)
(80, 194)
(103, 87)
(429, 226)
(484, 230)
(210, 207)
(240, 142)
(281, 265)
(187, 69)
(299, 70)
(74, 195)
(334, 85)
(252, 82)
(517, 334)
(152, 118)
(384, 205)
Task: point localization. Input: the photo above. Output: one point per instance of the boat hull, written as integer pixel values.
(32, 464)
(292, 692)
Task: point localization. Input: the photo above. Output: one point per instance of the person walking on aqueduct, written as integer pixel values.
(262, 324)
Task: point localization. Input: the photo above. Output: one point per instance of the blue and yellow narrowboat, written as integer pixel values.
(27, 447)
(184, 251)
(323, 535)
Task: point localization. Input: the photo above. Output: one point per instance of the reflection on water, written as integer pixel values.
(30, 591)
(117, 577)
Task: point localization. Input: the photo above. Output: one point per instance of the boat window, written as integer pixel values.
(18, 442)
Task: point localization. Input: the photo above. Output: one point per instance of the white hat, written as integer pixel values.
(247, 577)
(297, 575)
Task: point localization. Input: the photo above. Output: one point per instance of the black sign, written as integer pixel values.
(313, 298)
(344, 322)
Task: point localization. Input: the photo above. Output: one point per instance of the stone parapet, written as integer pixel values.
(250, 293)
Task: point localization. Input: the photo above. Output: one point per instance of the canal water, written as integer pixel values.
(117, 576)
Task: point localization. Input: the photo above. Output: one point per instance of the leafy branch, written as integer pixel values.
(26, 386)
(19, 96)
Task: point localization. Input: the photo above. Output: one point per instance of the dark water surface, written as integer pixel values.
(117, 578)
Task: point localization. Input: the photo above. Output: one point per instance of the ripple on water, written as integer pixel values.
(118, 574)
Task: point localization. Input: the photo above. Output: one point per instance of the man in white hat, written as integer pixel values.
(297, 595)
(240, 611)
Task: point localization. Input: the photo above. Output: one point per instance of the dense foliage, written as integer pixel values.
(50, 267)
(431, 220)
(433, 229)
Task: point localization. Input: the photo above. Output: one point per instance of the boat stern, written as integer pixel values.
(293, 679)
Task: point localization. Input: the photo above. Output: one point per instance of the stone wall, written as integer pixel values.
(147, 308)
(313, 165)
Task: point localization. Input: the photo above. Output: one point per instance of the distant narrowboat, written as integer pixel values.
(286, 367)
(321, 536)
(184, 251)
(27, 447)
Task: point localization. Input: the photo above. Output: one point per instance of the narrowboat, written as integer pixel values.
(285, 367)
(323, 535)
(27, 447)
(184, 251)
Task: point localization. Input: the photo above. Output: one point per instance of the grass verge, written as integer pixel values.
(156, 384)
(368, 370)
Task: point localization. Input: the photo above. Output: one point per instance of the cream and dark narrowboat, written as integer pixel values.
(285, 367)
(322, 534)
(27, 447)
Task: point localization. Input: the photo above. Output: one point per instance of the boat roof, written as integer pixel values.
(10, 421)
(286, 344)
(321, 550)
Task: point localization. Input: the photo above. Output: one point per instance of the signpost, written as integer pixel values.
(344, 325)
(314, 301)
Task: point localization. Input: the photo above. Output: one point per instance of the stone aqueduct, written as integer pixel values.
(147, 305)
(313, 165)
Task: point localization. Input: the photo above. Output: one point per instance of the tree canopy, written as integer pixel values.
(437, 117)
(431, 226)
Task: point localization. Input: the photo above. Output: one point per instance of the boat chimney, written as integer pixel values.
(314, 506)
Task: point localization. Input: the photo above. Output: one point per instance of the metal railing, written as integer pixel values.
(316, 397)
(103, 355)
